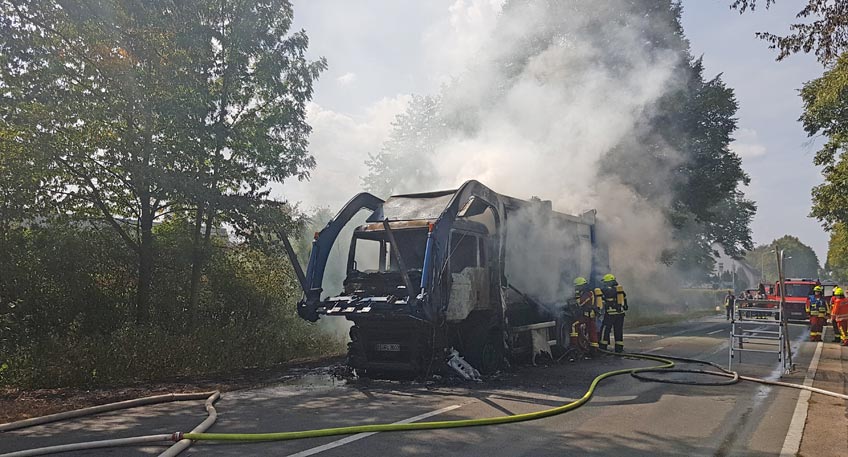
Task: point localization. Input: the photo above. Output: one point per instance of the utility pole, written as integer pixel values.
(733, 277)
(787, 348)
(763, 267)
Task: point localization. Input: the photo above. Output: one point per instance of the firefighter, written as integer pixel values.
(586, 315)
(817, 310)
(839, 313)
(729, 299)
(613, 301)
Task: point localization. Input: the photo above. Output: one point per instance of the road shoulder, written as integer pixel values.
(826, 429)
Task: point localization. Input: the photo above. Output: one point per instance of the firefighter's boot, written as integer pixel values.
(619, 348)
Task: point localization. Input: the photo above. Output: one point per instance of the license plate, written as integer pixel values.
(387, 347)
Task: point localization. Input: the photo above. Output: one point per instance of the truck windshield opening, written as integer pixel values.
(372, 252)
(798, 290)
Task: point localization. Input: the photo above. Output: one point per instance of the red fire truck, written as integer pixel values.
(798, 292)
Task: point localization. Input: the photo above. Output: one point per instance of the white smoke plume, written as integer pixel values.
(533, 99)
(541, 129)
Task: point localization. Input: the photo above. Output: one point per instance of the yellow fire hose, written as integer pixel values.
(641, 373)
(667, 365)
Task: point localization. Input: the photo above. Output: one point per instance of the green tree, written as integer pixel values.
(804, 263)
(76, 90)
(707, 205)
(825, 104)
(151, 108)
(23, 185)
(401, 162)
(826, 35)
(253, 84)
(837, 254)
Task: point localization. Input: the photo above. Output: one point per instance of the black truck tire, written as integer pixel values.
(484, 349)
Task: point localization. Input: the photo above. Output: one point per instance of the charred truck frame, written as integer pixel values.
(431, 274)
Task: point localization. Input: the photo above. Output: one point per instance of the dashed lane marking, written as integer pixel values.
(359, 436)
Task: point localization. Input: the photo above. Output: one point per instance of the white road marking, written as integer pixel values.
(359, 436)
(658, 348)
(719, 330)
(531, 396)
(796, 428)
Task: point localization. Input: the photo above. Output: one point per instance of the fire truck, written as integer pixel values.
(798, 292)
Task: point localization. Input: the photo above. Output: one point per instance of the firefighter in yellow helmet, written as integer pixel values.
(612, 299)
(839, 313)
(585, 302)
(817, 310)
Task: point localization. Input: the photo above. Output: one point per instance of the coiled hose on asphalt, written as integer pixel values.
(666, 367)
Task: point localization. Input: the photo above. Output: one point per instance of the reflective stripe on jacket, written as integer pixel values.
(612, 298)
(585, 301)
(817, 307)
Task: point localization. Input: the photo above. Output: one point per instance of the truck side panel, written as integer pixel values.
(545, 252)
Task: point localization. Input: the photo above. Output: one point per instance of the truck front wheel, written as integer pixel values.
(484, 350)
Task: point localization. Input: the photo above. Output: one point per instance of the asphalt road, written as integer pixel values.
(626, 416)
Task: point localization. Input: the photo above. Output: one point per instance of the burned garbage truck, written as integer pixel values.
(438, 276)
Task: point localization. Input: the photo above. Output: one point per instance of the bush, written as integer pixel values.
(66, 310)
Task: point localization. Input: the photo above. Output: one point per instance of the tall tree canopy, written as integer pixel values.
(826, 35)
(804, 263)
(837, 254)
(825, 106)
(706, 203)
(415, 134)
(137, 110)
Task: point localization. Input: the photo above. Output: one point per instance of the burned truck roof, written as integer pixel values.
(413, 207)
(431, 205)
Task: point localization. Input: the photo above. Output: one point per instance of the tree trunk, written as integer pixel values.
(200, 249)
(145, 263)
(146, 217)
(197, 257)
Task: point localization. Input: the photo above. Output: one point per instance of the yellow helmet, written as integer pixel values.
(818, 289)
(837, 292)
(609, 277)
(580, 281)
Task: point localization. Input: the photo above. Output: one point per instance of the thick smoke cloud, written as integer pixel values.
(554, 87)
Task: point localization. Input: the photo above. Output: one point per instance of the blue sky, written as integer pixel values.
(780, 162)
(381, 51)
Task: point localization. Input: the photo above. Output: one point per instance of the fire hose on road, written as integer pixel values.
(667, 367)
